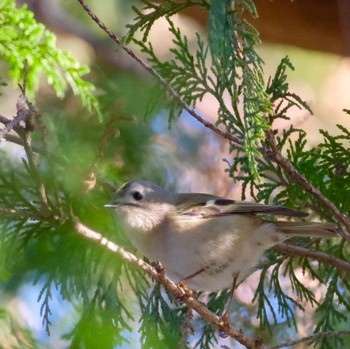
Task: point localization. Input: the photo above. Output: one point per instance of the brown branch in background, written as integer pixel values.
(344, 16)
(25, 134)
(26, 114)
(25, 104)
(14, 124)
(171, 287)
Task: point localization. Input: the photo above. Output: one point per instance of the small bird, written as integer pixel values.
(204, 240)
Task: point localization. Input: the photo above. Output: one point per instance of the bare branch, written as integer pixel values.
(318, 256)
(25, 107)
(311, 338)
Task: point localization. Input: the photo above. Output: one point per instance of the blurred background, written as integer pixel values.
(186, 156)
(314, 34)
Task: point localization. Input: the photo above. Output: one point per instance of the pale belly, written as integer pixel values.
(219, 255)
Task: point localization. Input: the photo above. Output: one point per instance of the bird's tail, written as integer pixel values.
(308, 229)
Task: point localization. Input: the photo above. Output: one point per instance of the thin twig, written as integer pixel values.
(4, 120)
(310, 338)
(316, 255)
(160, 79)
(171, 287)
(21, 213)
(14, 124)
(19, 141)
(24, 105)
(25, 112)
(30, 214)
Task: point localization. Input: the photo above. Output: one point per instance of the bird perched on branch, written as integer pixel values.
(203, 234)
(206, 242)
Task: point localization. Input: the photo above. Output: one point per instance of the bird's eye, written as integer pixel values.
(137, 195)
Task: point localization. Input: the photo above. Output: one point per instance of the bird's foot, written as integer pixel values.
(186, 292)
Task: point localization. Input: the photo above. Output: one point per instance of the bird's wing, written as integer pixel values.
(207, 206)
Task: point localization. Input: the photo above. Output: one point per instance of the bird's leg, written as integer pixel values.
(225, 318)
(182, 284)
(191, 276)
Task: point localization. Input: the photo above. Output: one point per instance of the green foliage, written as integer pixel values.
(216, 303)
(50, 248)
(43, 239)
(161, 322)
(31, 51)
(144, 21)
(330, 313)
(236, 69)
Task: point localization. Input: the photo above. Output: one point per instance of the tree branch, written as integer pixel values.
(4, 120)
(31, 214)
(171, 287)
(19, 141)
(318, 256)
(26, 214)
(199, 307)
(14, 124)
(310, 338)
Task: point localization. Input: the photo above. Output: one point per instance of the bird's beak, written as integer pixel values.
(111, 205)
